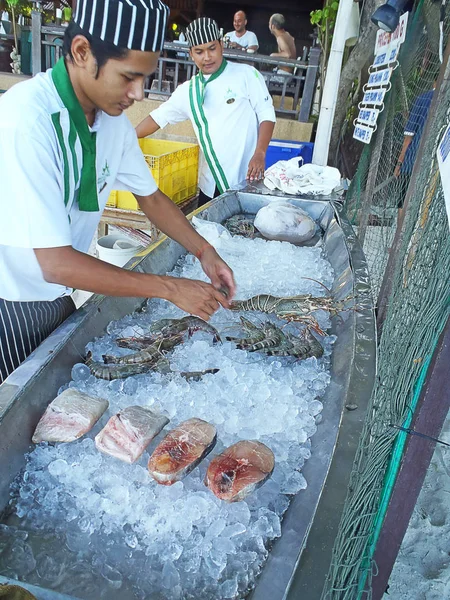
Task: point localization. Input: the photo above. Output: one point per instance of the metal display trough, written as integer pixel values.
(299, 560)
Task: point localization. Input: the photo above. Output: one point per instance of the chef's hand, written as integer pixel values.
(220, 274)
(256, 166)
(195, 297)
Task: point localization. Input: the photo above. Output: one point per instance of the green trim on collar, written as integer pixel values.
(215, 75)
(87, 197)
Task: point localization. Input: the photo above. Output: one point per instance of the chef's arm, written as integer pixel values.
(146, 127)
(264, 135)
(169, 219)
(256, 166)
(66, 266)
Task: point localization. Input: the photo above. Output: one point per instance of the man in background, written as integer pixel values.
(411, 140)
(241, 38)
(230, 109)
(286, 45)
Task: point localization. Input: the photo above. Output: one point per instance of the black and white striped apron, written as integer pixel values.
(24, 325)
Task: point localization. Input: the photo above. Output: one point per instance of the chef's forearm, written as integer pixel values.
(264, 135)
(146, 127)
(66, 266)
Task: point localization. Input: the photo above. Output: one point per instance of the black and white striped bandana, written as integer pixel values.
(132, 24)
(202, 31)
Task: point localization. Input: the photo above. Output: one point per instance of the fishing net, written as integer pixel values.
(376, 193)
(417, 297)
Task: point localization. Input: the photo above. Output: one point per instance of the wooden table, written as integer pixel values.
(136, 219)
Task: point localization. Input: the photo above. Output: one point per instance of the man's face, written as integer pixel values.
(207, 57)
(270, 26)
(239, 22)
(120, 82)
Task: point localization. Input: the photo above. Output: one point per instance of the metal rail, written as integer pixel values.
(295, 88)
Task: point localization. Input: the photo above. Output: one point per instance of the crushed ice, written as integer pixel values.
(114, 526)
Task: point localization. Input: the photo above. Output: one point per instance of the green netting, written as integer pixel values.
(375, 193)
(418, 304)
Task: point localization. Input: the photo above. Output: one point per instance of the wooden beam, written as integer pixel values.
(429, 418)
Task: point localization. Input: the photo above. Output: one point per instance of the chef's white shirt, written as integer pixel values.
(246, 40)
(32, 184)
(235, 104)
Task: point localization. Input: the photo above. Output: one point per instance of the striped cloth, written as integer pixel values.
(24, 325)
(132, 24)
(202, 31)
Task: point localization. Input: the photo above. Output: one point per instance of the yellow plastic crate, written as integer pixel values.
(112, 199)
(174, 166)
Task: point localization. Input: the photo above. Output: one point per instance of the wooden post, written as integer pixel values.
(368, 193)
(429, 418)
(36, 61)
(310, 85)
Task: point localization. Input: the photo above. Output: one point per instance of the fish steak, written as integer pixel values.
(69, 416)
(240, 470)
(128, 433)
(182, 450)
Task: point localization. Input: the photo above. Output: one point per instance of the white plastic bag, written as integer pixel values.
(288, 177)
(285, 222)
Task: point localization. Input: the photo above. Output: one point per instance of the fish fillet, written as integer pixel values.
(69, 416)
(182, 450)
(128, 433)
(239, 470)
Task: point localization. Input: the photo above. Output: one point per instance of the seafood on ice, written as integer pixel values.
(240, 470)
(182, 450)
(285, 222)
(128, 433)
(69, 416)
(271, 340)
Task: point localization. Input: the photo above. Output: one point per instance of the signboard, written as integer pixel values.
(443, 156)
(387, 44)
(373, 97)
(378, 78)
(386, 51)
(363, 133)
(368, 116)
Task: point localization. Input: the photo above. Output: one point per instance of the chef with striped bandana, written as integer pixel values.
(65, 143)
(230, 109)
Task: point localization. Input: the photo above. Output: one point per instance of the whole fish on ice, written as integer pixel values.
(240, 470)
(182, 450)
(69, 416)
(128, 433)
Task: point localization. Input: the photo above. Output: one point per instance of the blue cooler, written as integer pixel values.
(287, 149)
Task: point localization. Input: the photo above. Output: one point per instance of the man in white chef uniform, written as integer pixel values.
(64, 145)
(230, 109)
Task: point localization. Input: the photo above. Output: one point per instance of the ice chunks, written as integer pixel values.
(239, 470)
(182, 450)
(128, 433)
(69, 416)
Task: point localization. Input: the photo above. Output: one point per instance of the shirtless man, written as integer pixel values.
(285, 41)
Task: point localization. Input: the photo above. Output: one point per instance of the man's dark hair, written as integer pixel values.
(102, 51)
